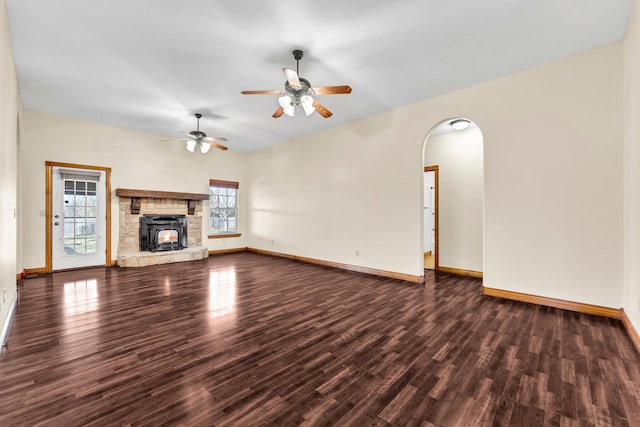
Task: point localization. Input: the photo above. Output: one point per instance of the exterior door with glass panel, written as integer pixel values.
(79, 218)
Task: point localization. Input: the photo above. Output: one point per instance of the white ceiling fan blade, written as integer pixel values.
(214, 138)
(292, 78)
(189, 135)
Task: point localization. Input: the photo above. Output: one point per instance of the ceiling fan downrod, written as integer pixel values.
(297, 54)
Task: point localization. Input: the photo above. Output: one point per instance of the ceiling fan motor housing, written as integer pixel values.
(198, 134)
(297, 93)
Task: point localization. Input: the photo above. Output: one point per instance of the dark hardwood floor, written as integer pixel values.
(246, 339)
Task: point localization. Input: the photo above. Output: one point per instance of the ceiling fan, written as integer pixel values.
(299, 93)
(198, 141)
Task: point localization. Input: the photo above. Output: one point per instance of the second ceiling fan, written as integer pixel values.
(299, 93)
(198, 141)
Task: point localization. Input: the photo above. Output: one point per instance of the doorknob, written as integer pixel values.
(56, 223)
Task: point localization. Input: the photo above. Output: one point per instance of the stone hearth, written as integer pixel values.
(134, 203)
(142, 259)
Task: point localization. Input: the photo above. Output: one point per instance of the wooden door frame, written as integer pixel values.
(49, 209)
(434, 169)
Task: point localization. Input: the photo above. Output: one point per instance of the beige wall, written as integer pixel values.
(553, 183)
(460, 196)
(137, 160)
(631, 295)
(9, 108)
(553, 179)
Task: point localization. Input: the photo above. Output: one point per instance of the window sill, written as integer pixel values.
(223, 235)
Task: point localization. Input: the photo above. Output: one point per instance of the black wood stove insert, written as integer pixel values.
(163, 232)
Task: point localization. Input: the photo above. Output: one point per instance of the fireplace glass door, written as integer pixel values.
(162, 232)
(167, 236)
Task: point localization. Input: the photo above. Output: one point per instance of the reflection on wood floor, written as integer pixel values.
(246, 339)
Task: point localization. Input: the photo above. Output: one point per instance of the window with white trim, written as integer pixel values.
(223, 207)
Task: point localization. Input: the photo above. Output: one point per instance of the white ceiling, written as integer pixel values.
(148, 65)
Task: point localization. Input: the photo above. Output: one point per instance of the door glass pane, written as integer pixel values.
(79, 220)
(80, 246)
(91, 212)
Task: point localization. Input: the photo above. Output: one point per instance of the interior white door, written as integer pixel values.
(79, 218)
(429, 213)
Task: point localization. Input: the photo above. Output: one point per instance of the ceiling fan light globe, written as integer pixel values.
(191, 146)
(307, 104)
(284, 101)
(204, 147)
(290, 110)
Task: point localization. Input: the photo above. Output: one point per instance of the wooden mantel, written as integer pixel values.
(137, 195)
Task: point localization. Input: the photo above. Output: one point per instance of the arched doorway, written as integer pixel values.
(453, 152)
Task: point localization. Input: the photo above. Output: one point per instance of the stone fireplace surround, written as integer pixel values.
(134, 203)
